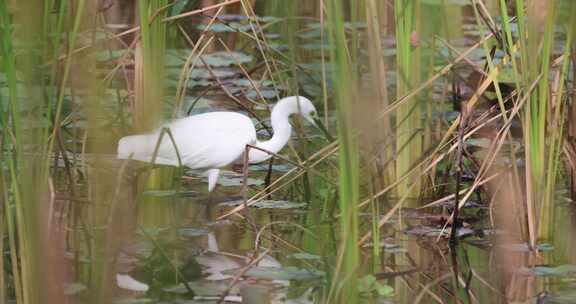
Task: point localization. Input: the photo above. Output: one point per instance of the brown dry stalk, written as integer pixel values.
(137, 28)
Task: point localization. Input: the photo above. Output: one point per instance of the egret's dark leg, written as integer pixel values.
(244, 190)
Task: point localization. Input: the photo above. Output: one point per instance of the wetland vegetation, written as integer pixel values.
(443, 169)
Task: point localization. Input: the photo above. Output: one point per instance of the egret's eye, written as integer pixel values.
(314, 114)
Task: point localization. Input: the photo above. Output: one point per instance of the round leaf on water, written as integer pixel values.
(169, 193)
(276, 273)
(74, 288)
(176, 57)
(109, 55)
(220, 59)
(384, 290)
(507, 75)
(177, 7)
(523, 247)
(201, 73)
(231, 27)
(202, 288)
(479, 142)
(268, 204)
(562, 270)
(233, 179)
(304, 256)
(193, 232)
(267, 94)
(275, 168)
(369, 284)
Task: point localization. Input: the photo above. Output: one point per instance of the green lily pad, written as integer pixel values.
(507, 75)
(231, 27)
(233, 179)
(523, 247)
(317, 46)
(479, 142)
(202, 288)
(268, 204)
(74, 288)
(562, 270)
(280, 273)
(304, 256)
(275, 168)
(267, 94)
(370, 284)
(177, 7)
(221, 59)
(193, 232)
(169, 193)
(110, 55)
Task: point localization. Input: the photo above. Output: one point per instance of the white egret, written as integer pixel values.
(216, 139)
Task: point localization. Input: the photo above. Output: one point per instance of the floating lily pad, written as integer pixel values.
(202, 288)
(561, 297)
(523, 247)
(347, 25)
(314, 33)
(562, 270)
(507, 75)
(169, 193)
(388, 247)
(110, 55)
(267, 94)
(231, 27)
(177, 7)
(232, 179)
(279, 47)
(304, 256)
(267, 19)
(276, 273)
(220, 59)
(479, 142)
(370, 284)
(469, 204)
(275, 168)
(268, 204)
(193, 232)
(74, 288)
(421, 230)
(152, 231)
(202, 73)
(317, 46)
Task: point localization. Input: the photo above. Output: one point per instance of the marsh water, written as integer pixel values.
(179, 234)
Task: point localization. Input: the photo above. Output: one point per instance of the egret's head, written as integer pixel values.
(307, 109)
(298, 105)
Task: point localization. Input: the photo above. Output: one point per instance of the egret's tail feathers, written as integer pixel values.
(131, 146)
(141, 147)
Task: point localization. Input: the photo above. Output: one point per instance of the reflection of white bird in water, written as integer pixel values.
(214, 140)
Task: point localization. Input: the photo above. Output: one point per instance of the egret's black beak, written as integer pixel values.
(318, 123)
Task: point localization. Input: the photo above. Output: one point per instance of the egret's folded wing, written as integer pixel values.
(212, 140)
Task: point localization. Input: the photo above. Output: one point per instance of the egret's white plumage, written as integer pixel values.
(214, 140)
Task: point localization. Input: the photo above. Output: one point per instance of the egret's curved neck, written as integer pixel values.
(282, 131)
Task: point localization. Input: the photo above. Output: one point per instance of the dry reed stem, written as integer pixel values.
(137, 28)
